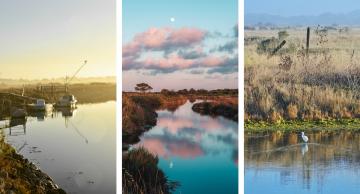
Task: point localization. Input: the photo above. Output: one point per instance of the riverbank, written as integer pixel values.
(84, 92)
(19, 175)
(300, 125)
(140, 166)
(138, 116)
(217, 108)
(139, 110)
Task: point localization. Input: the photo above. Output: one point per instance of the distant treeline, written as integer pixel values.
(233, 92)
(95, 92)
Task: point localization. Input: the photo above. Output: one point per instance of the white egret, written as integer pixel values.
(304, 137)
(304, 148)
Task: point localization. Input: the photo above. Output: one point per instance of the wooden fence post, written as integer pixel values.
(307, 41)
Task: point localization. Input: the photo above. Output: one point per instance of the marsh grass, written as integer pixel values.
(141, 174)
(294, 86)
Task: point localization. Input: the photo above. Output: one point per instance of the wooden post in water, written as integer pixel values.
(307, 41)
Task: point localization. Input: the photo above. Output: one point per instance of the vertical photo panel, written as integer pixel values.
(57, 96)
(180, 96)
(301, 96)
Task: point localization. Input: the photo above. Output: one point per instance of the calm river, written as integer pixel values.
(77, 149)
(278, 163)
(200, 152)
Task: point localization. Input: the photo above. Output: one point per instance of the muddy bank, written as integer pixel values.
(19, 175)
(214, 108)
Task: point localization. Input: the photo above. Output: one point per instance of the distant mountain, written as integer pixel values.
(348, 19)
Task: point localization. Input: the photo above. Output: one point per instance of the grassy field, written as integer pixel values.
(292, 85)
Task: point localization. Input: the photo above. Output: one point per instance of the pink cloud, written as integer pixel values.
(164, 148)
(152, 38)
(186, 36)
(185, 150)
(213, 61)
(173, 61)
(174, 125)
(163, 38)
(131, 49)
(155, 146)
(182, 49)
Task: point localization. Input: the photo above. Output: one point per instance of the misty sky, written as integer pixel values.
(300, 7)
(46, 39)
(196, 50)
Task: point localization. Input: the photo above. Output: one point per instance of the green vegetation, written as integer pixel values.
(141, 174)
(300, 125)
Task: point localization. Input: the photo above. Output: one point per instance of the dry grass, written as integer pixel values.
(291, 85)
(141, 174)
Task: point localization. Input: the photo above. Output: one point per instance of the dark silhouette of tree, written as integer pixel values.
(183, 91)
(143, 87)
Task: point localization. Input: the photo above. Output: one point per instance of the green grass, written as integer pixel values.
(299, 125)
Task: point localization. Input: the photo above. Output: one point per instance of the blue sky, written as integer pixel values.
(300, 7)
(213, 15)
(196, 50)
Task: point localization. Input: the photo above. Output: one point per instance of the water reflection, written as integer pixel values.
(290, 166)
(188, 142)
(76, 147)
(14, 130)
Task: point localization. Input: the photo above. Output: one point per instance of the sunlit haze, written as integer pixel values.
(47, 39)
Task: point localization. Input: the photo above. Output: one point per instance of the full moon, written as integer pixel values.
(172, 19)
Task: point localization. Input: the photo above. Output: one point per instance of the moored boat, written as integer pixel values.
(67, 101)
(18, 113)
(40, 105)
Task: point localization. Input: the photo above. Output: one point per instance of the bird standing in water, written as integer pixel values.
(304, 137)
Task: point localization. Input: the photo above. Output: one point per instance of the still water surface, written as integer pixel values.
(198, 151)
(77, 149)
(278, 163)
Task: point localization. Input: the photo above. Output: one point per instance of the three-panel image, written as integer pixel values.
(179, 96)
